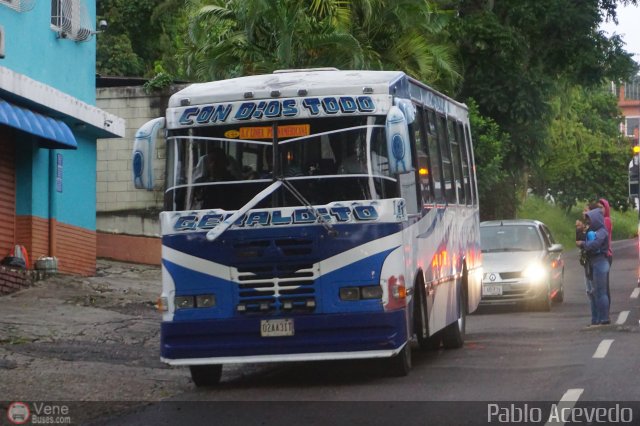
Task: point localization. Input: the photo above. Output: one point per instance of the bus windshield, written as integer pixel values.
(328, 159)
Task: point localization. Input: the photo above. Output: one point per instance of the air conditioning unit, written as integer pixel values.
(70, 19)
(19, 5)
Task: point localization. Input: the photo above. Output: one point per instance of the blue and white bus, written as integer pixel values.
(313, 215)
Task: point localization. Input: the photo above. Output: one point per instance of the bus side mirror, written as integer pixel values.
(144, 147)
(398, 145)
(407, 108)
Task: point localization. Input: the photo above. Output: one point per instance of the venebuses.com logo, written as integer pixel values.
(18, 413)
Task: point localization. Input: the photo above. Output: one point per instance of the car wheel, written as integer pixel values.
(543, 303)
(453, 334)
(559, 297)
(206, 375)
(400, 364)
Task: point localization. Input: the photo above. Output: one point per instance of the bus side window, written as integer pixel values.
(447, 165)
(434, 156)
(464, 146)
(454, 138)
(422, 149)
(472, 164)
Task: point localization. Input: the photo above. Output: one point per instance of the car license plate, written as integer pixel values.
(276, 327)
(492, 290)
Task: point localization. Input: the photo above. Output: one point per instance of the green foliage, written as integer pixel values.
(243, 37)
(140, 33)
(562, 223)
(521, 55)
(161, 80)
(585, 157)
(115, 56)
(489, 150)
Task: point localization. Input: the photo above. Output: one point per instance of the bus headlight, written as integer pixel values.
(199, 301)
(349, 293)
(205, 301)
(361, 293)
(184, 302)
(371, 292)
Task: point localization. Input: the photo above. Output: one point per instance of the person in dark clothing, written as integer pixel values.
(596, 246)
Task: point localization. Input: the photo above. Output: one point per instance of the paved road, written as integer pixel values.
(529, 359)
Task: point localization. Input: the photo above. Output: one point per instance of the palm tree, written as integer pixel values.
(240, 37)
(229, 38)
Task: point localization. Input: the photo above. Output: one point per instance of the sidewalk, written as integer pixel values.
(71, 338)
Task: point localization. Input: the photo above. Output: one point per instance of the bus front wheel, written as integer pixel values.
(206, 375)
(400, 364)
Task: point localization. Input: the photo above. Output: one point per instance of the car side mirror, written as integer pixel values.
(556, 248)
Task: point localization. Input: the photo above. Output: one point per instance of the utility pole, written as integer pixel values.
(634, 193)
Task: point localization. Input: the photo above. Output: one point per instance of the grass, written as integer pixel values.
(562, 226)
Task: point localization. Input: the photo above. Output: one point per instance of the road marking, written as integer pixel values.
(603, 348)
(568, 400)
(622, 318)
(635, 293)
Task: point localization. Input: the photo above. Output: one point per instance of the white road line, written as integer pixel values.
(568, 400)
(603, 348)
(635, 293)
(622, 318)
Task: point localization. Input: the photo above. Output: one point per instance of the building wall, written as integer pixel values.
(34, 49)
(54, 207)
(127, 218)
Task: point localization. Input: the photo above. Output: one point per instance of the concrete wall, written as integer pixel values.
(122, 209)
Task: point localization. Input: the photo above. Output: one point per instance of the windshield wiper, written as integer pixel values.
(219, 229)
(225, 224)
(301, 199)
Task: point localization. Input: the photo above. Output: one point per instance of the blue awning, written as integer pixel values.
(38, 125)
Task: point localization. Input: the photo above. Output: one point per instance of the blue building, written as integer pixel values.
(48, 129)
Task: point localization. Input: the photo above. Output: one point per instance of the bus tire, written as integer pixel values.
(453, 334)
(206, 375)
(400, 364)
(421, 322)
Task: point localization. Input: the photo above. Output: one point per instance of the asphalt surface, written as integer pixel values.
(93, 344)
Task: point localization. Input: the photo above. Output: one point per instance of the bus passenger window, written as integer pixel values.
(424, 169)
(447, 166)
(434, 156)
(454, 137)
(464, 146)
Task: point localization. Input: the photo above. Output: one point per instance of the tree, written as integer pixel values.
(587, 157)
(519, 55)
(140, 34)
(232, 38)
(490, 144)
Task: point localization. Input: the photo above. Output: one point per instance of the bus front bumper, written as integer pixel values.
(316, 337)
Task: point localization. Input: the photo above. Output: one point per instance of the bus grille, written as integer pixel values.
(279, 283)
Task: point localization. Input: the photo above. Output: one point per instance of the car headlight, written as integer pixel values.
(535, 272)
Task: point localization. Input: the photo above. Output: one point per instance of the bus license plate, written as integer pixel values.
(492, 290)
(276, 327)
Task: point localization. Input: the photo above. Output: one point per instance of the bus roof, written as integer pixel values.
(316, 82)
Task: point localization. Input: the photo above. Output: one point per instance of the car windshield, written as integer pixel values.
(326, 160)
(510, 238)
